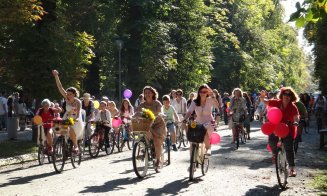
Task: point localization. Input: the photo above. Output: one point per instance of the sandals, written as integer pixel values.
(292, 173)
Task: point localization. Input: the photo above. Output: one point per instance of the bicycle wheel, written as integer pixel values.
(76, 158)
(244, 136)
(117, 141)
(193, 162)
(94, 145)
(111, 137)
(185, 141)
(59, 155)
(40, 154)
(179, 138)
(281, 168)
(296, 145)
(140, 159)
(205, 165)
(167, 147)
(108, 146)
(237, 138)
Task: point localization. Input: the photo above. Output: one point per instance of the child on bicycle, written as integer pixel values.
(48, 113)
(104, 116)
(171, 118)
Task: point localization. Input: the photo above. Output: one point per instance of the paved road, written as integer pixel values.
(247, 171)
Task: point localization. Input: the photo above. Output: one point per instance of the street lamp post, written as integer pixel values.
(120, 46)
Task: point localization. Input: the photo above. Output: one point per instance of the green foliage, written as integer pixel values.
(309, 11)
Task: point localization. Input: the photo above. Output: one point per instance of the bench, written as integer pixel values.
(323, 135)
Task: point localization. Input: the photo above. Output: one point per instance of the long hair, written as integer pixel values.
(122, 108)
(153, 90)
(198, 97)
(294, 96)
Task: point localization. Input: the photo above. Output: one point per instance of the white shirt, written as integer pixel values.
(3, 103)
(180, 107)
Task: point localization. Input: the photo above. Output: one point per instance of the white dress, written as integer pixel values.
(71, 112)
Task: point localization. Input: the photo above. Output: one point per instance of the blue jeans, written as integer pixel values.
(3, 121)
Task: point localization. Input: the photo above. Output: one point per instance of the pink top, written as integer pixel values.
(203, 114)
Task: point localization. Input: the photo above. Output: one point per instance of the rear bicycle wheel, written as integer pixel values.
(193, 162)
(59, 154)
(94, 145)
(281, 168)
(76, 158)
(140, 159)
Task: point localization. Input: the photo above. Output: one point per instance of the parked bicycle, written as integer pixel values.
(63, 147)
(99, 140)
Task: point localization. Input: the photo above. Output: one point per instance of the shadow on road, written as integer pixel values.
(114, 185)
(174, 188)
(17, 169)
(264, 190)
(26, 179)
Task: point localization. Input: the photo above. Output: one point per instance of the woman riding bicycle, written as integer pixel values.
(285, 102)
(158, 128)
(126, 111)
(72, 110)
(104, 116)
(237, 110)
(202, 106)
(47, 113)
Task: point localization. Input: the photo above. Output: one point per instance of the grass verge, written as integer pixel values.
(320, 180)
(14, 148)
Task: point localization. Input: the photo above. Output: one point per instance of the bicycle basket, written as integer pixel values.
(141, 124)
(196, 134)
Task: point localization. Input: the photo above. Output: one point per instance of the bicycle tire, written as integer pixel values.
(168, 146)
(111, 137)
(179, 138)
(76, 158)
(296, 145)
(40, 155)
(94, 145)
(193, 162)
(205, 165)
(281, 168)
(59, 155)
(140, 154)
(244, 136)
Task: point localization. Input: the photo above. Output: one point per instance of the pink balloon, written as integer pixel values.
(268, 128)
(282, 130)
(116, 122)
(127, 93)
(268, 148)
(275, 115)
(214, 138)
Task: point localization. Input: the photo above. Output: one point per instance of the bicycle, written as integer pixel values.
(167, 145)
(143, 149)
(319, 116)
(98, 141)
(281, 162)
(240, 134)
(198, 157)
(42, 146)
(124, 137)
(181, 136)
(63, 148)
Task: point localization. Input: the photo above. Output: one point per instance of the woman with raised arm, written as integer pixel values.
(73, 110)
(286, 103)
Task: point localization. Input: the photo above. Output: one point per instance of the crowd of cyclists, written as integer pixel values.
(206, 107)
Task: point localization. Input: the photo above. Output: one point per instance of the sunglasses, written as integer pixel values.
(287, 94)
(178, 94)
(203, 92)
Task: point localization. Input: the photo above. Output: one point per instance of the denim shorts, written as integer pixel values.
(170, 127)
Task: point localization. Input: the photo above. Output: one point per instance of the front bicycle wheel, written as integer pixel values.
(167, 147)
(94, 145)
(205, 165)
(193, 162)
(59, 154)
(41, 154)
(76, 157)
(140, 159)
(281, 168)
(184, 139)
